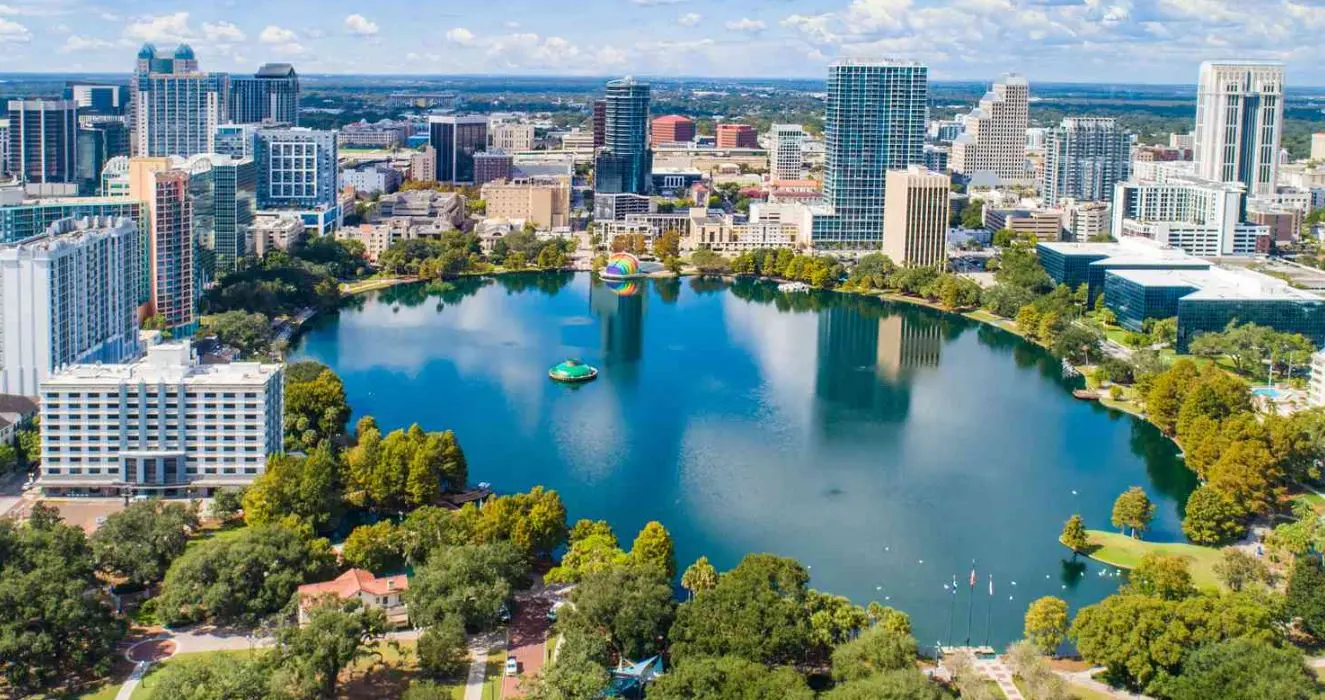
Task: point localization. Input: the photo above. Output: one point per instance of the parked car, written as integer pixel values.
(504, 614)
(512, 666)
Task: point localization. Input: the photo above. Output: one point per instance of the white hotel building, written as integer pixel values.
(164, 425)
(68, 296)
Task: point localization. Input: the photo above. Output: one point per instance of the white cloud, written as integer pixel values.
(76, 43)
(689, 19)
(358, 24)
(171, 27)
(222, 32)
(814, 27)
(745, 24)
(13, 32)
(292, 48)
(315, 33)
(460, 35)
(273, 34)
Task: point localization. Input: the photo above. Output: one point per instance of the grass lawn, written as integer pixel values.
(222, 533)
(369, 285)
(1316, 501)
(1125, 553)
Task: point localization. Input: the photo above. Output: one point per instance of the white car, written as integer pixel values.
(512, 666)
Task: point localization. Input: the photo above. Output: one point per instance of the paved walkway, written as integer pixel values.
(997, 671)
(478, 672)
(1086, 679)
(126, 690)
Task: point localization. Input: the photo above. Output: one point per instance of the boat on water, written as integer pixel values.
(572, 372)
(793, 287)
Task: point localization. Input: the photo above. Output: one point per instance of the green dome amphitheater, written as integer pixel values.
(572, 371)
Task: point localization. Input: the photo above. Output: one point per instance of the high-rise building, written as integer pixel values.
(785, 159)
(68, 296)
(43, 141)
(1198, 216)
(512, 138)
(1083, 159)
(235, 140)
(599, 123)
(4, 147)
(270, 96)
(423, 165)
(176, 108)
(296, 168)
(165, 425)
(737, 136)
(98, 98)
(172, 250)
(874, 122)
(98, 142)
(491, 166)
(543, 202)
(1239, 122)
(21, 219)
(457, 139)
(224, 193)
(993, 140)
(672, 128)
(625, 161)
(915, 227)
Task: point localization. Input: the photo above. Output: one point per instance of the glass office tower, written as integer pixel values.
(625, 163)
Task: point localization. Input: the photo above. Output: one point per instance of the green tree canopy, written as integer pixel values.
(336, 633)
(315, 405)
(443, 651)
(247, 332)
(139, 542)
(307, 490)
(653, 548)
(375, 547)
(907, 684)
(1074, 534)
(1306, 595)
(469, 582)
(1212, 517)
(1244, 669)
(699, 576)
(1046, 624)
(1134, 510)
(876, 650)
(729, 678)
(632, 608)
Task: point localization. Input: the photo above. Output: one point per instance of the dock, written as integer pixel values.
(1085, 395)
(455, 501)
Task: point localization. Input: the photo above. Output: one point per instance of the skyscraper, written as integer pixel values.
(456, 140)
(1083, 159)
(271, 95)
(296, 168)
(175, 107)
(625, 162)
(68, 296)
(1239, 122)
(172, 248)
(599, 123)
(916, 217)
(784, 152)
(874, 122)
(993, 140)
(224, 192)
(43, 141)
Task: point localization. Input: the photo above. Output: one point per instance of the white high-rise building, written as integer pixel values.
(993, 140)
(163, 425)
(784, 152)
(1200, 217)
(69, 296)
(1083, 159)
(1239, 122)
(512, 138)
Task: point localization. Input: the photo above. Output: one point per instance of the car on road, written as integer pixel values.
(512, 666)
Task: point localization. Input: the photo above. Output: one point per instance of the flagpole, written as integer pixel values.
(989, 610)
(970, 604)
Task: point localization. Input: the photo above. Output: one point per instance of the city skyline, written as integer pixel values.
(1162, 40)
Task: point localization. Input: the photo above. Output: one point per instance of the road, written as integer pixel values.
(527, 640)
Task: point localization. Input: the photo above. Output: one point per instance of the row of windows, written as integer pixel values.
(79, 471)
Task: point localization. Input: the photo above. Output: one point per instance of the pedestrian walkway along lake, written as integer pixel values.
(884, 445)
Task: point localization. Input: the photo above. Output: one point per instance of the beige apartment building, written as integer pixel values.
(915, 219)
(544, 202)
(512, 138)
(993, 139)
(423, 165)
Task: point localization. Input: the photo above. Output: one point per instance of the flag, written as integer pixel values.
(991, 585)
(972, 574)
(954, 585)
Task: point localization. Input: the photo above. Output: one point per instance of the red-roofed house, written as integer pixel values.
(384, 593)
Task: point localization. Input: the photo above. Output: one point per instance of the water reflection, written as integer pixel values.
(620, 313)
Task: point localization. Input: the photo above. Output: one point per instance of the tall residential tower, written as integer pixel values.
(625, 162)
(1239, 123)
(175, 107)
(993, 142)
(271, 95)
(1083, 159)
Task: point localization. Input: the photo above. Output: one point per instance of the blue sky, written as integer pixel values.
(1155, 41)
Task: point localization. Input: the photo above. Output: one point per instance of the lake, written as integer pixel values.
(883, 445)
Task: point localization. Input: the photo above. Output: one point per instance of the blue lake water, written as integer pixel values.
(884, 445)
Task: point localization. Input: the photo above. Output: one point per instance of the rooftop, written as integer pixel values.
(353, 582)
(1219, 283)
(166, 363)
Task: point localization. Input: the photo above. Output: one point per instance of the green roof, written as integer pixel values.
(572, 369)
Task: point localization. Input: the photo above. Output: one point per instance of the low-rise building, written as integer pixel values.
(164, 425)
(385, 593)
(275, 233)
(16, 413)
(543, 202)
(423, 165)
(1044, 224)
(384, 134)
(1075, 264)
(492, 166)
(1085, 221)
(616, 207)
(510, 137)
(373, 177)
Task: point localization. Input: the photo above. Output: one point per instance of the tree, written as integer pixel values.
(469, 582)
(631, 608)
(443, 652)
(1046, 624)
(406, 469)
(970, 681)
(227, 503)
(315, 405)
(1074, 535)
(8, 458)
(577, 673)
(667, 245)
(1079, 345)
(699, 577)
(653, 548)
(1164, 331)
(249, 333)
(244, 578)
(424, 530)
(139, 542)
(707, 261)
(217, 677)
(908, 684)
(973, 214)
(337, 632)
(1243, 669)
(1238, 568)
(1134, 510)
(1167, 392)
(757, 612)
(1305, 596)
(51, 630)
(729, 678)
(1028, 321)
(1037, 678)
(375, 547)
(1162, 576)
(306, 489)
(1212, 518)
(593, 549)
(876, 650)
(1249, 475)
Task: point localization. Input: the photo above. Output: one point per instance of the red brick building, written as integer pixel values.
(737, 136)
(673, 128)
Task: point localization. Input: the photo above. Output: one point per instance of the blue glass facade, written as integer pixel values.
(1133, 302)
(1070, 268)
(1196, 316)
(626, 160)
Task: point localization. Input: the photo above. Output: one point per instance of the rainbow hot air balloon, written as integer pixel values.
(621, 266)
